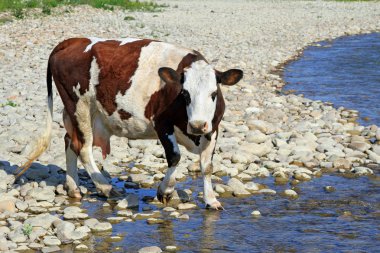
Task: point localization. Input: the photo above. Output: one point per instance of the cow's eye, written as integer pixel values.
(185, 94)
(213, 95)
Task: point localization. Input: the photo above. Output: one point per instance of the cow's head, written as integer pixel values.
(199, 84)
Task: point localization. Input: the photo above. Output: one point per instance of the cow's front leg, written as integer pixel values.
(208, 147)
(169, 142)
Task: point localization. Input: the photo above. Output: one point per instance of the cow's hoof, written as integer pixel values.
(164, 197)
(215, 205)
(74, 194)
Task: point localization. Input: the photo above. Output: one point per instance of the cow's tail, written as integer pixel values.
(43, 142)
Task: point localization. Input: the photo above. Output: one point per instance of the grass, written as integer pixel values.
(19, 8)
(27, 229)
(9, 103)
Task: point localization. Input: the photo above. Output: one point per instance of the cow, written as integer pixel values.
(139, 89)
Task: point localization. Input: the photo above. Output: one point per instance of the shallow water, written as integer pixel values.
(345, 71)
(346, 220)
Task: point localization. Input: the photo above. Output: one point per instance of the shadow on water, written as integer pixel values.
(345, 71)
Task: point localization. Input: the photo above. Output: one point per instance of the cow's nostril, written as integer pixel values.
(198, 125)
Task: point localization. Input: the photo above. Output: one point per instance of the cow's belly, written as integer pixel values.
(133, 128)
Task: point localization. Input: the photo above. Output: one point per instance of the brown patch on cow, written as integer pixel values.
(117, 65)
(70, 67)
(163, 98)
(219, 110)
(124, 115)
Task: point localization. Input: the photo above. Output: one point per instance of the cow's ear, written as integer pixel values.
(169, 75)
(229, 77)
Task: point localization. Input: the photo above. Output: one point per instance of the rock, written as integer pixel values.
(171, 248)
(373, 156)
(66, 231)
(81, 247)
(125, 213)
(238, 188)
(239, 158)
(342, 163)
(268, 191)
(256, 149)
(44, 220)
(290, 193)
(17, 236)
(114, 220)
(302, 176)
(35, 246)
(256, 213)
(51, 241)
(329, 188)
(362, 171)
(50, 249)
(256, 137)
(142, 216)
(252, 187)
(185, 206)
(184, 217)
(40, 194)
(151, 221)
(175, 214)
(7, 206)
(169, 209)
(256, 171)
(97, 226)
(22, 206)
(132, 200)
(150, 249)
(74, 212)
(358, 145)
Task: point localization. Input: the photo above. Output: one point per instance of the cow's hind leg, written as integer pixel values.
(168, 140)
(72, 181)
(86, 156)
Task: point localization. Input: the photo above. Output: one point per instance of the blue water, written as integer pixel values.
(345, 71)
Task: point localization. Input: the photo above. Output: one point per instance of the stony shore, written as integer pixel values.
(264, 134)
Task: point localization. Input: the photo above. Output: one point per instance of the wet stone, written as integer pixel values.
(329, 188)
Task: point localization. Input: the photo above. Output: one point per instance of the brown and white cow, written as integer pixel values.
(139, 89)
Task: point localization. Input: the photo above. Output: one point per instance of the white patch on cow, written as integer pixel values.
(186, 141)
(173, 140)
(76, 90)
(144, 83)
(94, 73)
(200, 82)
(127, 40)
(94, 40)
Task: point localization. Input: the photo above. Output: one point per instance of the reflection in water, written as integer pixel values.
(208, 241)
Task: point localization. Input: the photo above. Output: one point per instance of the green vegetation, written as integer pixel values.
(18, 7)
(27, 229)
(9, 102)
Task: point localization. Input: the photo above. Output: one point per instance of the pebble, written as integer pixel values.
(81, 247)
(97, 226)
(185, 206)
(150, 249)
(290, 193)
(256, 213)
(329, 189)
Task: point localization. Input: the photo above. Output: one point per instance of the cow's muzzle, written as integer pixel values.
(197, 127)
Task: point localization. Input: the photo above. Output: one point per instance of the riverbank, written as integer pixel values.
(289, 139)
